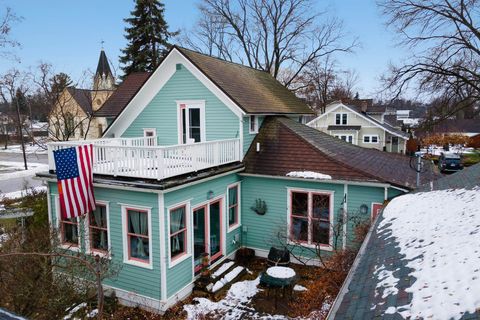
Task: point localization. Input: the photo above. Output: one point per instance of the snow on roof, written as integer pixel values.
(439, 235)
(309, 175)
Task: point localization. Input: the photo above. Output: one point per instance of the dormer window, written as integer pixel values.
(341, 118)
(253, 124)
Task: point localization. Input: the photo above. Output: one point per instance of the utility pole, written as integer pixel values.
(21, 133)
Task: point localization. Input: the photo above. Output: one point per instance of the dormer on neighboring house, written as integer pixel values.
(362, 125)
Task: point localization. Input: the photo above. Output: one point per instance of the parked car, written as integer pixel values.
(449, 162)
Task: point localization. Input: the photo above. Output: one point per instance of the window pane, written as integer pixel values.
(374, 139)
(177, 244)
(337, 118)
(299, 230)
(98, 218)
(195, 134)
(177, 219)
(139, 248)
(70, 233)
(320, 206)
(366, 139)
(199, 233)
(253, 123)
(232, 215)
(194, 115)
(232, 196)
(99, 239)
(137, 222)
(321, 232)
(350, 139)
(184, 126)
(344, 118)
(299, 204)
(344, 138)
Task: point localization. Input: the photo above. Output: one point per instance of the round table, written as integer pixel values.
(278, 278)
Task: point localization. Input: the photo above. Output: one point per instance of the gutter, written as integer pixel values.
(344, 289)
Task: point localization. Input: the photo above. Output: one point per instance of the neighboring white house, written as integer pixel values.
(355, 125)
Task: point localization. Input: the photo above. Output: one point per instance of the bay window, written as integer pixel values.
(310, 217)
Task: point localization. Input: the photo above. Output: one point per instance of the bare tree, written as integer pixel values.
(7, 18)
(270, 35)
(445, 38)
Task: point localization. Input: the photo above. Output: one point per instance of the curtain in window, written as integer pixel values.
(232, 200)
(176, 224)
(139, 224)
(97, 215)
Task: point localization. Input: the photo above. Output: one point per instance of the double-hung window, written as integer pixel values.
(69, 231)
(233, 196)
(138, 237)
(178, 232)
(310, 217)
(98, 229)
(370, 139)
(341, 118)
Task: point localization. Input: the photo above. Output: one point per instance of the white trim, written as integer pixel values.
(346, 135)
(106, 204)
(345, 215)
(163, 260)
(188, 250)
(124, 207)
(309, 191)
(255, 124)
(155, 83)
(191, 104)
(240, 133)
(239, 208)
(49, 205)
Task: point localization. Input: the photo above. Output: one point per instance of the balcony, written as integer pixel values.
(143, 158)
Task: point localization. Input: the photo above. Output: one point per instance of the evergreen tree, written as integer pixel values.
(147, 37)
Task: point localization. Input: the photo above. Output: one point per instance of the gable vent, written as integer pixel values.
(179, 66)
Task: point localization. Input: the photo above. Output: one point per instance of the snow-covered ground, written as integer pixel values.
(438, 233)
(17, 148)
(309, 175)
(21, 193)
(437, 150)
(14, 169)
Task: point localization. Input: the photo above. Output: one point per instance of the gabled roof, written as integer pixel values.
(417, 260)
(252, 90)
(286, 146)
(123, 94)
(103, 68)
(83, 97)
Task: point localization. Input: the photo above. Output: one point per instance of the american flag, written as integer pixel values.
(75, 180)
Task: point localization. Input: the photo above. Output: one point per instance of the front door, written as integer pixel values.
(207, 233)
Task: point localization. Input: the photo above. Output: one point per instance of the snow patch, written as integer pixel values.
(309, 175)
(28, 149)
(13, 169)
(222, 269)
(74, 310)
(281, 272)
(298, 287)
(438, 234)
(387, 282)
(21, 193)
(227, 278)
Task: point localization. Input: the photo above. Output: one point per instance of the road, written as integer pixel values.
(16, 184)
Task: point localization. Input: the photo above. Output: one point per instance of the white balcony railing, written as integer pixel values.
(142, 158)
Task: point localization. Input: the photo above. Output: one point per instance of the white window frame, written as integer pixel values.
(126, 260)
(253, 118)
(370, 136)
(88, 250)
(145, 130)
(339, 136)
(191, 104)
(58, 215)
(330, 193)
(239, 208)
(188, 244)
(341, 118)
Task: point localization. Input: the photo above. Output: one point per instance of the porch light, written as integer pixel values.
(363, 209)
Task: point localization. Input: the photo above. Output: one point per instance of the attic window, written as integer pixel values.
(253, 125)
(341, 118)
(179, 66)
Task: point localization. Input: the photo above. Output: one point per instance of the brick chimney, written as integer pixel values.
(364, 105)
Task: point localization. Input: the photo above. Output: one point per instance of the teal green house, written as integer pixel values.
(209, 156)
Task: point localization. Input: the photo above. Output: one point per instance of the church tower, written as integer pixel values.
(103, 79)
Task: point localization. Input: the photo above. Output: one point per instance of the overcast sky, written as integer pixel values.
(67, 34)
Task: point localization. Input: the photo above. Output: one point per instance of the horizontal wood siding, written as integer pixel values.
(262, 231)
(131, 278)
(161, 112)
(180, 275)
(247, 136)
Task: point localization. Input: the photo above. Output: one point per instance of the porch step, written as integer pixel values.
(227, 279)
(222, 269)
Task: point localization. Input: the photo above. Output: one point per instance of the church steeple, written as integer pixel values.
(104, 79)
